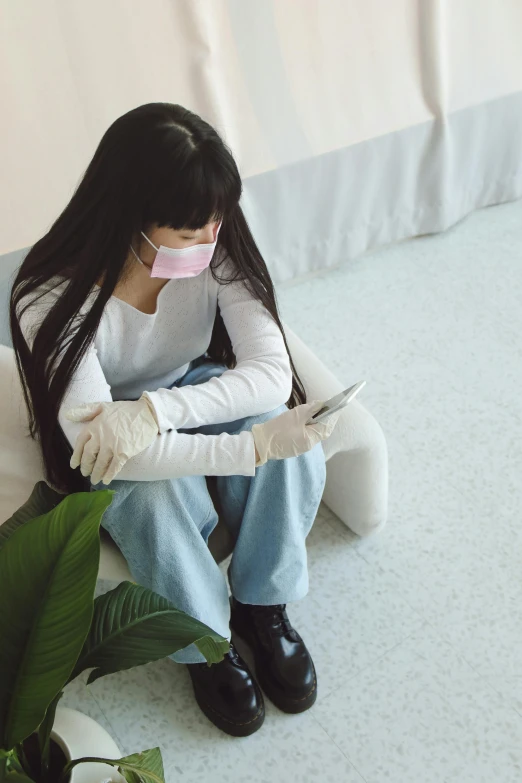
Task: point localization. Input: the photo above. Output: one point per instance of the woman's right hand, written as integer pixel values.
(288, 435)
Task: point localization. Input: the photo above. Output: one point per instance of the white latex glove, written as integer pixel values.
(116, 432)
(288, 435)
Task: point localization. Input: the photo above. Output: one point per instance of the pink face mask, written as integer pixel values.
(174, 263)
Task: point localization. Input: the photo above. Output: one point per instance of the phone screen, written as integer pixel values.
(339, 401)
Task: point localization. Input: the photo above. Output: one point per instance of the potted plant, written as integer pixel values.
(52, 629)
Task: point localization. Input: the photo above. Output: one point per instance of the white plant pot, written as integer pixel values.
(78, 735)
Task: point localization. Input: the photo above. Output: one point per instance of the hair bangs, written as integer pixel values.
(204, 191)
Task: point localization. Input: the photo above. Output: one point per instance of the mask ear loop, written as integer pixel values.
(150, 243)
(136, 256)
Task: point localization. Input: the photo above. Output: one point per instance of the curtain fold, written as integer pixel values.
(353, 123)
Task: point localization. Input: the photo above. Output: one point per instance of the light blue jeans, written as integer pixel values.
(162, 529)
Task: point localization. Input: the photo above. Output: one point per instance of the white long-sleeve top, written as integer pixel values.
(134, 352)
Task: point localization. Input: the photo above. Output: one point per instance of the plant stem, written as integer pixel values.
(44, 736)
(23, 760)
(68, 767)
(3, 768)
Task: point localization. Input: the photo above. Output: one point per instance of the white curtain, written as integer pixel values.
(353, 123)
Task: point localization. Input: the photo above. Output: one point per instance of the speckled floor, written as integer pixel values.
(417, 633)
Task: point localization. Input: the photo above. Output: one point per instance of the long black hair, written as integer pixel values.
(158, 164)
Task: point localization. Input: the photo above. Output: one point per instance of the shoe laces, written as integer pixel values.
(272, 619)
(233, 655)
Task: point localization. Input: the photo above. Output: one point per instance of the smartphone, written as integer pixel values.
(336, 403)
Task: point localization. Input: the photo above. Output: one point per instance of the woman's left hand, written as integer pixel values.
(116, 431)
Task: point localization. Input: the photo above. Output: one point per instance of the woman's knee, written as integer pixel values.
(159, 505)
(136, 493)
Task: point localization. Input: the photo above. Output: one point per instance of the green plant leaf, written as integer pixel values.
(133, 625)
(41, 500)
(144, 767)
(12, 761)
(212, 647)
(14, 771)
(48, 570)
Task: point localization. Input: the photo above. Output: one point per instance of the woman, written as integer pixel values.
(152, 356)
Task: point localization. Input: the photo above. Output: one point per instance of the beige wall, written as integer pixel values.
(282, 80)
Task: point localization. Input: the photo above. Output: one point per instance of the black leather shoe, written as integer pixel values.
(284, 668)
(228, 695)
